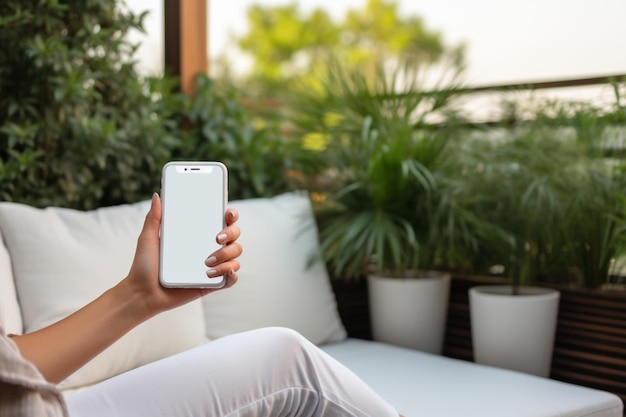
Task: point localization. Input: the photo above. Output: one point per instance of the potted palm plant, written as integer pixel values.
(379, 223)
(385, 210)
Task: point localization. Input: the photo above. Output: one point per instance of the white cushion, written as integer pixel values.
(424, 384)
(10, 316)
(276, 285)
(62, 259)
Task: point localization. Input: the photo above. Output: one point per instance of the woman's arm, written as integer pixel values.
(60, 349)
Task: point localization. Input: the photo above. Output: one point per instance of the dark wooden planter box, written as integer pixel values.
(590, 345)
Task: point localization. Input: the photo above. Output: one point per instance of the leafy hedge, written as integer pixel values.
(80, 128)
(261, 158)
(78, 125)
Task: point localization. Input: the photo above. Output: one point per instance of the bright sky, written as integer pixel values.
(507, 41)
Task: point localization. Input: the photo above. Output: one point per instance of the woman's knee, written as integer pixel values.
(280, 338)
(280, 334)
(281, 343)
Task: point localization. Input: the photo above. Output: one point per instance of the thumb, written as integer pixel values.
(152, 223)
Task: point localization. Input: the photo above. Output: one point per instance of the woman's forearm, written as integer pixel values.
(61, 348)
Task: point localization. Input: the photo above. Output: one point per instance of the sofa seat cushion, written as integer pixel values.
(63, 259)
(278, 286)
(424, 384)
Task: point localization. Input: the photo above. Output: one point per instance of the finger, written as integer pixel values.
(224, 254)
(231, 216)
(228, 235)
(152, 223)
(227, 269)
(231, 278)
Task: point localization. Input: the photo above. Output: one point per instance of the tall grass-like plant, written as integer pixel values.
(596, 233)
(526, 179)
(548, 184)
(595, 236)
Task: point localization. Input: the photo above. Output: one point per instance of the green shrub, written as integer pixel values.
(261, 159)
(548, 183)
(78, 126)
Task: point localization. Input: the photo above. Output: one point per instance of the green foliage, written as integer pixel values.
(379, 31)
(278, 33)
(78, 126)
(385, 202)
(399, 185)
(287, 45)
(548, 183)
(595, 237)
(405, 186)
(260, 159)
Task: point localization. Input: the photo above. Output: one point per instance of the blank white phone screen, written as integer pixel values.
(194, 201)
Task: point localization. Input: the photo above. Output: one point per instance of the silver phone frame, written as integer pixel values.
(189, 165)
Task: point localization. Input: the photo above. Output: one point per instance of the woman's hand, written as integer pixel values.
(143, 277)
(63, 347)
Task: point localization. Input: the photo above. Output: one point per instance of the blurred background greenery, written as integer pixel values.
(368, 115)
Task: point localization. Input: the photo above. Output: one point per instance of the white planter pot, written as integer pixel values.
(514, 331)
(410, 312)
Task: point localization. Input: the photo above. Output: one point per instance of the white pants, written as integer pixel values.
(270, 372)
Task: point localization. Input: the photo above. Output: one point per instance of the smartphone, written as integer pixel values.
(194, 198)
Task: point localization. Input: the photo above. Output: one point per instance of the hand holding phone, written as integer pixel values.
(194, 198)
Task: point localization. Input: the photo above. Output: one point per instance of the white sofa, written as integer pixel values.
(55, 260)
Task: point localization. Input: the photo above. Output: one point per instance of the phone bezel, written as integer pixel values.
(188, 168)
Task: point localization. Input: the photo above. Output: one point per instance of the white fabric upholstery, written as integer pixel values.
(424, 384)
(10, 315)
(62, 259)
(276, 286)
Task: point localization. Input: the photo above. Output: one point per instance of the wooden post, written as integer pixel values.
(185, 40)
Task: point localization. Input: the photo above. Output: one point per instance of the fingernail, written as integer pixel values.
(221, 237)
(211, 272)
(210, 260)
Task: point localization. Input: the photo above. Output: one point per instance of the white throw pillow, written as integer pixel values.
(10, 316)
(276, 286)
(62, 259)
